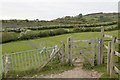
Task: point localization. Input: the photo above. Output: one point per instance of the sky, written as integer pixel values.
(52, 9)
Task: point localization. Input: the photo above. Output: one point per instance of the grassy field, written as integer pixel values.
(51, 41)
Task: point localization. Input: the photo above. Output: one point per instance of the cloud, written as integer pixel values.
(50, 9)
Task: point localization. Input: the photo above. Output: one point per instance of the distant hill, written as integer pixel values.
(78, 19)
(103, 17)
(90, 18)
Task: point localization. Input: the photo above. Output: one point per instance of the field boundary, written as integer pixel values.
(111, 53)
(31, 59)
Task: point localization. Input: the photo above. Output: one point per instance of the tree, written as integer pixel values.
(37, 20)
(80, 15)
(104, 19)
(26, 20)
(67, 17)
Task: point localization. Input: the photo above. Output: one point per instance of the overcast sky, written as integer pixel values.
(51, 9)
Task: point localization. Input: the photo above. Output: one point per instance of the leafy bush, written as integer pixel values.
(81, 29)
(28, 35)
(31, 34)
(43, 34)
(9, 36)
(94, 29)
(60, 31)
(109, 28)
(51, 33)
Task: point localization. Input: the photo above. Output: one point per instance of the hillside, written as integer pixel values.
(78, 19)
(90, 18)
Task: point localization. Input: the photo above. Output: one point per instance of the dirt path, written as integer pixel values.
(77, 72)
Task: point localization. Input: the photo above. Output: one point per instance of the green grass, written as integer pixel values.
(48, 41)
(28, 63)
(52, 67)
(51, 41)
(25, 61)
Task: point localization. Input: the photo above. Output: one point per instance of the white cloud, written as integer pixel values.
(49, 9)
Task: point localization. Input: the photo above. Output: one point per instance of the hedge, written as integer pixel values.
(8, 36)
(59, 26)
(12, 36)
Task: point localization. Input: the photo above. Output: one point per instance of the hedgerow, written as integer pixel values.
(8, 36)
(29, 34)
(59, 26)
(94, 29)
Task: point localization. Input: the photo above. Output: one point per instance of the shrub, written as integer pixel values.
(81, 29)
(51, 33)
(31, 34)
(60, 31)
(28, 35)
(43, 34)
(9, 36)
(93, 29)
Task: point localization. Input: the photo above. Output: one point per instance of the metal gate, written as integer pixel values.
(84, 48)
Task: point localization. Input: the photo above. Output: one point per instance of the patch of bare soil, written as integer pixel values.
(77, 72)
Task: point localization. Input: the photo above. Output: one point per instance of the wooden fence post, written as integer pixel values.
(112, 56)
(98, 51)
(93, 55)
(101, 44)
(1, 66)
(70, 50)
(108, 58)
(55, 49)
(63, 52)
(6, 63)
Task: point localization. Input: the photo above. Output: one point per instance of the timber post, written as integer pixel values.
(70, 50)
